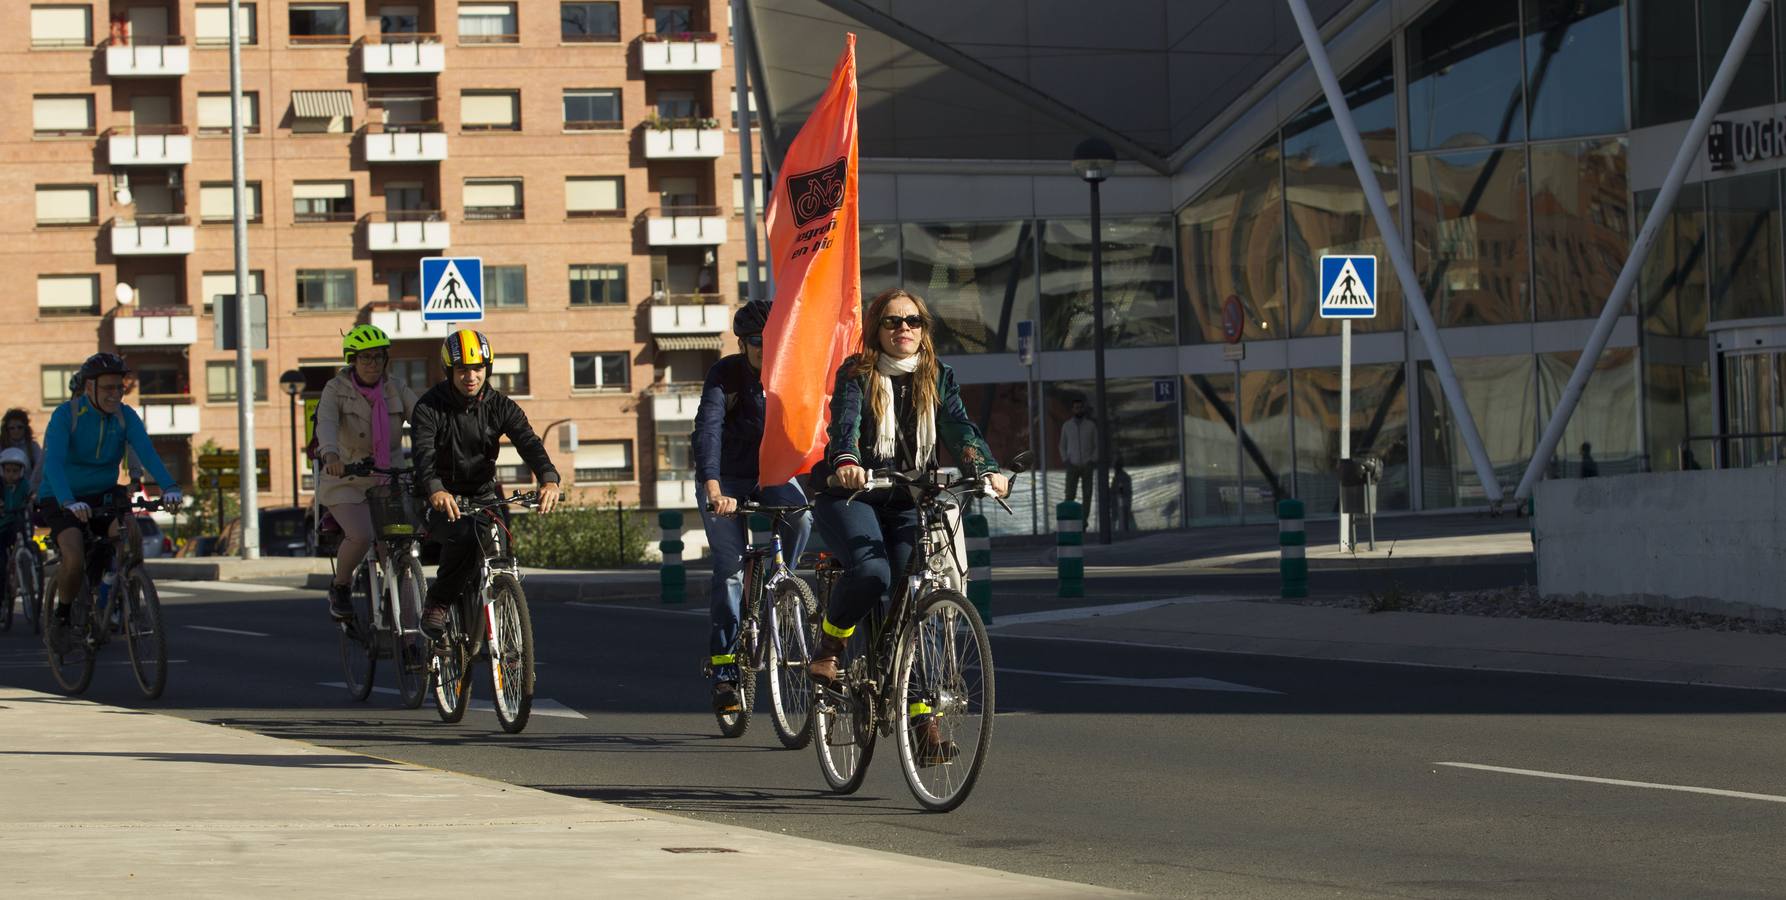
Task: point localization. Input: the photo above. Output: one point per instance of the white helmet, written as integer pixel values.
(14, 455)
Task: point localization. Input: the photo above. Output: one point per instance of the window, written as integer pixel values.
(322, 201)
(62, 115)
(213, 113)
(508, 374)
(67, 204)
(505, 286)
(220, 381)
(589, 22)
(413, 372)
(160, 380)
(66, 26)
(591, 109)
(403, 287)
(217, 201)
(321, 112)
(678, 190)
(318, 23)
(211, 285)
(756, 195)
(589, 197)
(212, 25)
(673, 20)
(490, 111)
(493, 198)
(677, 105)
(752, 106)
(67, 295)
(592, 285)
(55, 383)
(488, 23)
(744, 279)
(675, 462)
(326, 289)
(600, 371)
(399, 20)
(603, 461)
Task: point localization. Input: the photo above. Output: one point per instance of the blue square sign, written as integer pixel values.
(453, 289)
(1348, 287)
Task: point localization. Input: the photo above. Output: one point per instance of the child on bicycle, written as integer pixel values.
(728, 430)
(15, 499)
(893, 402)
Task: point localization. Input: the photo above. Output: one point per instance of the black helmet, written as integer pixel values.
(751, 318)
(103, 364)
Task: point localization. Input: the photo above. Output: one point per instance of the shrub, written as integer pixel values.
(582, 537)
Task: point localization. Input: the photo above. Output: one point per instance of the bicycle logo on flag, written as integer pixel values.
(817, 193)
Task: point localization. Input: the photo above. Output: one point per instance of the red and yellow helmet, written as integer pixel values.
(465, 348)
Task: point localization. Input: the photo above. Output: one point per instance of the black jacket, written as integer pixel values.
(729, 425)
(455, 440)
(852, 429)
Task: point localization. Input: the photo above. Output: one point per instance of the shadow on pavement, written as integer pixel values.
(732, 799)
(273, 760)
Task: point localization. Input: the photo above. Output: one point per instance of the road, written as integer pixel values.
(1157, 770)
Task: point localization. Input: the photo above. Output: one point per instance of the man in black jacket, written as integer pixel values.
(455, 433)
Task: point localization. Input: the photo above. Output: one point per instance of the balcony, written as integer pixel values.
(407, 231)
(684, 139)
(149, 145)
(407, 324)
(686, 52)
(167, 419)
(690, 314)
(166, 57)
(156, 326)
(419, 142)
(685, 226)
(152, 236)
(674, 402)
(402, 54)
(677, 492)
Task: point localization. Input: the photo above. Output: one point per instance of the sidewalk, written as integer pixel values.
(101, 800)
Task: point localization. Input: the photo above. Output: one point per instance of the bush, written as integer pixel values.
(582, 537)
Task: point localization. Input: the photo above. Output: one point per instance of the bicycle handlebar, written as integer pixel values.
(467, 505)
(366, 467)
(882, 479)
(753, 506)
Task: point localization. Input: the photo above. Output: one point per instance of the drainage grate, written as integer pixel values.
(699, 850)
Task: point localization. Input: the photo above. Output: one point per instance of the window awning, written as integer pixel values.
(689, 342)
(322, 104)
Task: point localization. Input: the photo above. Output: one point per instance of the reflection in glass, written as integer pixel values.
(1754, 84)
(1677, 404)
(1137, 283)
(1664, 64)
(1464, 75)
(1499, 393)
(1604, 426)
(1328, 214)
(880, 260)
(1754, 393)
(977, 277)
(1672, 287)
(1379, 428)
(1745, 217)
(1265, 411)
(1144, 466)
(1579, 229)
(1575, 77)
(1470, 236)
(1210, 450)
(1002, 412)
(1231, 243)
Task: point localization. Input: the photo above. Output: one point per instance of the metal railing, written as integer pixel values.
(680, 37)
(407, 215)
(594, 125)
(430, 127)
(166, 40)
(681, 212)
(401, 37)
(1721, 449)
(704, 299)
(465, 39)
(319, 40)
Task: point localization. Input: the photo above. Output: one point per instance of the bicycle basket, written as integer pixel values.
(395, 512)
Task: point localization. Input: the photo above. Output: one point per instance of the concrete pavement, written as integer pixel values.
(102, 799)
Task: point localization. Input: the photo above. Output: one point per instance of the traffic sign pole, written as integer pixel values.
(1345, 435)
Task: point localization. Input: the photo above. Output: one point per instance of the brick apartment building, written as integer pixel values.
(585, 150)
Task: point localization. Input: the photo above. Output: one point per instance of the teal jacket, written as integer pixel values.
(83, 448)
(17, 500)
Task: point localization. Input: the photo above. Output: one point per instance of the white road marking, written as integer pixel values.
(1179, 683)
(228, 587)
(228, 630)
(1617, 782)
(1092, 612)
(580, 604)
(170, 595)
(541, 706)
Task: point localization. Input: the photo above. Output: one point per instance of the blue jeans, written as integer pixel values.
(727, 539)
(873, 543)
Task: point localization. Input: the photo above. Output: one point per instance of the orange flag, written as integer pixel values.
(814, 247)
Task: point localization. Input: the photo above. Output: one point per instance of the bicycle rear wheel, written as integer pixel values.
(145, 636)
(28, 568)
(735, 724)
(843, 730)
(452, 671)
(359, 646)
(511, 654)
(72, 662)
(8, 602)
(410, 648)
(944, 676)
(790, 691)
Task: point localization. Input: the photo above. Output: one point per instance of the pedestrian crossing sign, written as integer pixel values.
(1348, 287)
(452, 289)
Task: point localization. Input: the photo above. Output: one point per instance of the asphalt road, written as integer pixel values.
(1328, 780)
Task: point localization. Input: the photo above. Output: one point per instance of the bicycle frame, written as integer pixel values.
(779, 574)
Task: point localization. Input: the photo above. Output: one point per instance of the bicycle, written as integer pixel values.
(928, 655)
(785, 623)
(387, 593)
(504, 633)
(96, 612)
(24, 578)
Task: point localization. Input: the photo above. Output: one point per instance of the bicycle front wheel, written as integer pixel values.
(843, 727)
(359, 646)
(790, 691)
(410, 654)
(945, 699)
(144, 634)
(452, 671)
(28, 570)
(511, 654)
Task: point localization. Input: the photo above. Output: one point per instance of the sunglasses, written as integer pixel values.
(755, 340)
(892, 323)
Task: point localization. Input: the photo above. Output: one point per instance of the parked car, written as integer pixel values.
(156, 544)
(285, 531)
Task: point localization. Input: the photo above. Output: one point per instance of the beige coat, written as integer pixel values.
(344, 428)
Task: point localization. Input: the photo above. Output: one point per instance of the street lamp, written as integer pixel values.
(292, 382)
(1093, 160)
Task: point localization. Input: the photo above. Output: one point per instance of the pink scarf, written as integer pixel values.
(381, 421)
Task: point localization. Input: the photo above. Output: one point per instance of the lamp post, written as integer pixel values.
(1093, 160)
(293, 383)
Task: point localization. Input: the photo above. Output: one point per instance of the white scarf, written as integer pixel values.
(886, 438)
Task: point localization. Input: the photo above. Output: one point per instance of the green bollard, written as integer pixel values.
(672, 577)
(979, 564)
(1292, 542)
(1069, 541)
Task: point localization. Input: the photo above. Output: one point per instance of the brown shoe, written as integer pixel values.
(823, 666)
(929, 747)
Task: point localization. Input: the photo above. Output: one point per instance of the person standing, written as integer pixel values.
(1079, 452)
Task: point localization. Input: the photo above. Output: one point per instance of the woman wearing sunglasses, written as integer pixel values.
(15, 431)
(893, 404)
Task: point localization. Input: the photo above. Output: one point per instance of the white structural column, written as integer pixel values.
(245, 461)
(1415, 297)
(1646, 239)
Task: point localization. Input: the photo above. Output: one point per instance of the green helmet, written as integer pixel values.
(363, 337)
